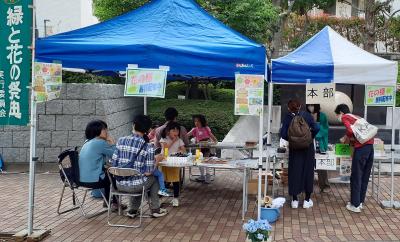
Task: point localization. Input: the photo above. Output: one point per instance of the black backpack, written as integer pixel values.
(68, 160)
(299, 133)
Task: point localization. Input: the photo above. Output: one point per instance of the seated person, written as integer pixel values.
(135, 152)
(99, 146)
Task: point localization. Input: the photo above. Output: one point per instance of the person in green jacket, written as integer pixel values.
(321, 141)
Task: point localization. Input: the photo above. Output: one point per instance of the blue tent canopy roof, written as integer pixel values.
(329, 57)
(174, 33)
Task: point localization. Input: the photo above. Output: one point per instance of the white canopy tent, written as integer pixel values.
(328, 57)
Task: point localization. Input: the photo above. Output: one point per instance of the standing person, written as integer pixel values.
(171, 115)
(363, 159)
(201, 132)
(98, 147)
(170, 140)
(299, 129)
(135, 152)
(321, 141)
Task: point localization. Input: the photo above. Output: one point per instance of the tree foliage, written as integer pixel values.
(254, 18)
(106, 9)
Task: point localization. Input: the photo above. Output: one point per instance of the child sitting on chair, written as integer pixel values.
(201, 132)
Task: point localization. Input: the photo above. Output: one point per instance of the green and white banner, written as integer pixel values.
(15, 61)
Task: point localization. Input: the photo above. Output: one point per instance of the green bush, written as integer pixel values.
(75, 77)
(219, 115)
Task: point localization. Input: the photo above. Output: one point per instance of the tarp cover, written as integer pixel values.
(174, 33)
(328, 57)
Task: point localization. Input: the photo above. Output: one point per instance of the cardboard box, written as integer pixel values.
(253, 186)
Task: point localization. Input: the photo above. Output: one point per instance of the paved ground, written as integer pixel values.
(207, 212)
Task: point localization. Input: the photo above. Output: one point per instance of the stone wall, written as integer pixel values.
(61, 122)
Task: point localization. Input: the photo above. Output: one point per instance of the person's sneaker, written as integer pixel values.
(200, 179)
(308, 204)
(361, 205)
(132, 213)
(164, 193)
(157, 213)
(295, 204)
(208, 179)
(353, 209)
(175, 202)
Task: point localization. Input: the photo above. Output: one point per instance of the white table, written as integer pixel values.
(241, 165)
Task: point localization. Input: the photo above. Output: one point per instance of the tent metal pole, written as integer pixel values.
(32, 149)
(392, 203)
(260, 150)
(365, 101)
(392, 153)
(270, 100)
(145, 105)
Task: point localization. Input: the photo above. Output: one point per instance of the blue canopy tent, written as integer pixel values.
(174, 33)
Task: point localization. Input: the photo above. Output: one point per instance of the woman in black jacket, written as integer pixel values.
(301, 161)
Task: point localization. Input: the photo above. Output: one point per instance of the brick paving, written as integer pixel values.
(206, 213)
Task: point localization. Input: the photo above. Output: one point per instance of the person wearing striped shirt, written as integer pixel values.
(135, 152)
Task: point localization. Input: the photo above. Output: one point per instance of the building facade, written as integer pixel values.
(57, 16)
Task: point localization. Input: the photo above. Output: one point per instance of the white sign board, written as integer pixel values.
(328, 163)
(320, 93)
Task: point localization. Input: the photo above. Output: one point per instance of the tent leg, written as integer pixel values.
(270, 100)
(391, 203)
(145, 105)
(260, 159)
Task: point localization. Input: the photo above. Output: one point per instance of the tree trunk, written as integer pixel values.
(370, 28)
(276, 44)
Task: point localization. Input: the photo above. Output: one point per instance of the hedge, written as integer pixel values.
(219, 115)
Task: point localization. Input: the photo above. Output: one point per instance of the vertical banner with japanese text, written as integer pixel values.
(249, 94)
(15, 61)
(320, 93)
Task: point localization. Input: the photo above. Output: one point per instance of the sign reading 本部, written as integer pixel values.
(15, 61)
(249, 94)
(328, 163)
(48, 81)
(145, 82)
(379, 95)
(320, 93)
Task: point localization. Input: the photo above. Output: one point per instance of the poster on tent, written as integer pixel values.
(47, 81)
(320, 93)
(249, 94)
(145, 82)
(379, 95)
(15, 61)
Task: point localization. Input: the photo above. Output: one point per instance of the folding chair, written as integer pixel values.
(69, 173)
(124, 173)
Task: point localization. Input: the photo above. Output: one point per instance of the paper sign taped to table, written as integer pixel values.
(326, 164)
(345, 166)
